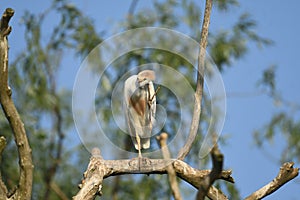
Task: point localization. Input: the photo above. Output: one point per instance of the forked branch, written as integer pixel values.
(217, 159)
(99, 169)
(287, 172)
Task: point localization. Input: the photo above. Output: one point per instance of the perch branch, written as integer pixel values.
(217, 159)
(199, 85)
(287, 172)
(162, 139)
(99, 169)
(25, 159)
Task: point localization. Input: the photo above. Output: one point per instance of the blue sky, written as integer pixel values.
(277, 20)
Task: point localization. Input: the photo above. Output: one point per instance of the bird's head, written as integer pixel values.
(144, 77)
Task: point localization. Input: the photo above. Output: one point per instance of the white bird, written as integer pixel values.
(140, 108)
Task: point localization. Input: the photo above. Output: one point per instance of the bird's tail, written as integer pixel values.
(145, 143)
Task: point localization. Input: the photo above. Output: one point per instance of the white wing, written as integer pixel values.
(129, 88)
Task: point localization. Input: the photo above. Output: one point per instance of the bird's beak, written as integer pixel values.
(142, 83)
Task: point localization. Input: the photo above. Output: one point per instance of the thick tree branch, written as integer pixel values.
(217, 158)
(162, 140)
(199, 85)
(92, 178)
(286, 173)
(99, 169)
(25, 159)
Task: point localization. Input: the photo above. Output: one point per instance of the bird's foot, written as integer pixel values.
(134, 162)
(140, 162)
(143, 161)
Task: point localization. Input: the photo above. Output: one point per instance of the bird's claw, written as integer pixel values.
(140, 162)
(144, 161)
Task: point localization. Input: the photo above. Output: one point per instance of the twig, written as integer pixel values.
(286, 173)
(25, 158)
(217, 158)
(58, 191)
(56, 148)
(216, 194)
(162, 139)
(199, 85)
(99, 169)
(2, 145)
(131, 12)
(3, 188)
(132, 7)
(5, 29)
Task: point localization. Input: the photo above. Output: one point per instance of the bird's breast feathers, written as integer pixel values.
(138, 103)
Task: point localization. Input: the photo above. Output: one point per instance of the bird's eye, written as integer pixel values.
(145, 79)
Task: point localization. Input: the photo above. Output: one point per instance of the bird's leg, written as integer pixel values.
(138, 139)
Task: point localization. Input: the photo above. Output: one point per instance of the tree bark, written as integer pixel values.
(24, 187)
(162, 140)
(286, 173)
(99, 169)
(199, 84)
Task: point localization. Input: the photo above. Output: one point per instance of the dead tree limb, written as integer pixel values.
(3, 188)
(24, 188)
(199, 85)
(99, 169)
(162, 140)
(287, 172)
(217, 159)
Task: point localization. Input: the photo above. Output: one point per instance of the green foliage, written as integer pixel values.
(268, 81)
(225, 5)
(283, 123)
(233, 44)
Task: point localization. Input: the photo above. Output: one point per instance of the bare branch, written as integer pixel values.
(217, 158)
(58, 191)
(286, 173)
(100, 169)
(199, 85)
(131, 13)
(56, 146)
(216, 194)
(3, 189)
(5, 29)
(25, 159)
(2, 145)
(162, 139)
(132, 8)
(93, 177)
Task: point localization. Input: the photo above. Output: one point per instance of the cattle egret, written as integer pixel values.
(140, 108)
